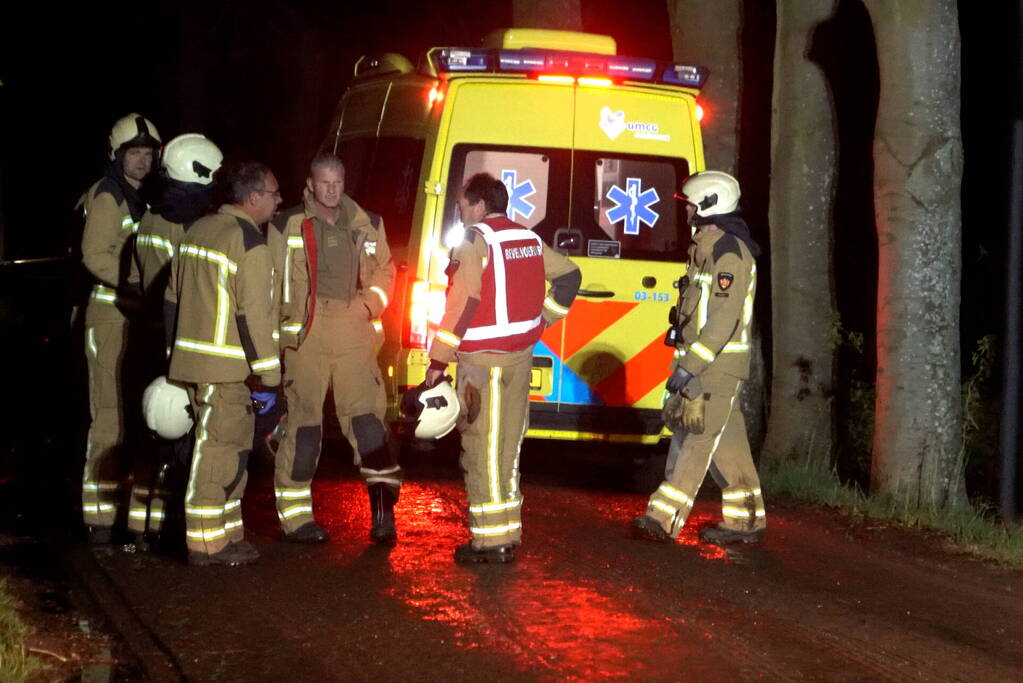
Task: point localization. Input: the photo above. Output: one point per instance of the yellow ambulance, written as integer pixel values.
(592, 147)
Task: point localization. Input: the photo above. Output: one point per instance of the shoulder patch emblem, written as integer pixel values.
(725, 280)
(369, 247)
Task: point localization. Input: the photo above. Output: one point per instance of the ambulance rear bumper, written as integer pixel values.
(595, 423)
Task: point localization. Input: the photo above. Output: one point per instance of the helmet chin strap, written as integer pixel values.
(699, 220)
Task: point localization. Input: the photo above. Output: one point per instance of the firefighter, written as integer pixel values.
(337, 280)
(495, 312)
(220, 319)
(113, 208)
(711, 361)
(189, 162)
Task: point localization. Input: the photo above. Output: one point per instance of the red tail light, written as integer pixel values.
(436, 95)
(425, 311)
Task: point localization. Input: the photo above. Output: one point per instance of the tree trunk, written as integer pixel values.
(803, 163)
(706, 32)
(565, 15)
(918, 161)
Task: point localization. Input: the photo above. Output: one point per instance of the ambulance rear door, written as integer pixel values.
(628, 235)
(520, 133)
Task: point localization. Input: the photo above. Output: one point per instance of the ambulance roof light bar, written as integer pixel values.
(536, 61)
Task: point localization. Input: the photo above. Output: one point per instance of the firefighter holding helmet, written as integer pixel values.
(337, 280)
(113, 208)
(497, 308)
(711, 362)
(189, 162)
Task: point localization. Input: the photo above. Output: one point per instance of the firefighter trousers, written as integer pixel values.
(104, 351)
(216, 481)
(495, 415)
(339, 353)
(723, 449)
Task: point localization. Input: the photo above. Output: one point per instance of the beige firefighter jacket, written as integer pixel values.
(219, 305)
(717, 306)
(465, 277)
(108, 228)
(155, 243)
(293, 245)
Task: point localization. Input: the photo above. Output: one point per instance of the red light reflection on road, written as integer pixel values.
(622, 510)
(569, 627)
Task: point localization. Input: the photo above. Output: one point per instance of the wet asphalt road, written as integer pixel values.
(821, 599)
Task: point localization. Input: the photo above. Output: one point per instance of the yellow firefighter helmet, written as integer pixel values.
(192, 158)
(711, 192)
(133, 130)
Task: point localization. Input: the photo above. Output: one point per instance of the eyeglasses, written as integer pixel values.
(276, 193)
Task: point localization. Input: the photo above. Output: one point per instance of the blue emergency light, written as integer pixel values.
(459, 59)
(538, 62)
(682, 74)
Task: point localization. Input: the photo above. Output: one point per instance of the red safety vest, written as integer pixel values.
(511, 292)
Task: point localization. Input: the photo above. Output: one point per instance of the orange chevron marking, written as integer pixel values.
(552, 337)
(640, 374)
(587, 319)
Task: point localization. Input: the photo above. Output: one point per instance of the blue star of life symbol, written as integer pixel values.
(632, 205)
(517, 193)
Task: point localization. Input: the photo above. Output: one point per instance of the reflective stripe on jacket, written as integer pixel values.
(220, 303)
(108, 228)
(509, 317)
(155, 245)
(293, 247)
(465, 296)
(718, 306)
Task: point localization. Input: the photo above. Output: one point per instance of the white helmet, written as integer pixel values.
(133, 130)
(166, 408)
(192, 158)
(712, 192)
(433, 411)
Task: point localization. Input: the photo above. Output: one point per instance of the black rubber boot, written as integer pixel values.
(310, 532)
(381, 502)
(649, 529)
(501, 554)
(234, 555)
(719, 535)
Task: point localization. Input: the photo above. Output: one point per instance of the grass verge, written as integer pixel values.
(974, 531)
(15, 663)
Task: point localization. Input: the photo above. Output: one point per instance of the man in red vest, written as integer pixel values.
(497, 307)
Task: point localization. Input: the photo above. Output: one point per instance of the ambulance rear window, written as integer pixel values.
(381, 175)
(391, 185)
(536, 179)
(625, 206)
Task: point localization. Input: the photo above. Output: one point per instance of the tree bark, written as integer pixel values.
(707, 32)
(918, 161)
(803, 163)
(565, 15)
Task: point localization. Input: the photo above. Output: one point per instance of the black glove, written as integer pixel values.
(678, 381)
(409, 405)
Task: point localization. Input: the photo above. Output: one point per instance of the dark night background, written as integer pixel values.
(262, 78)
